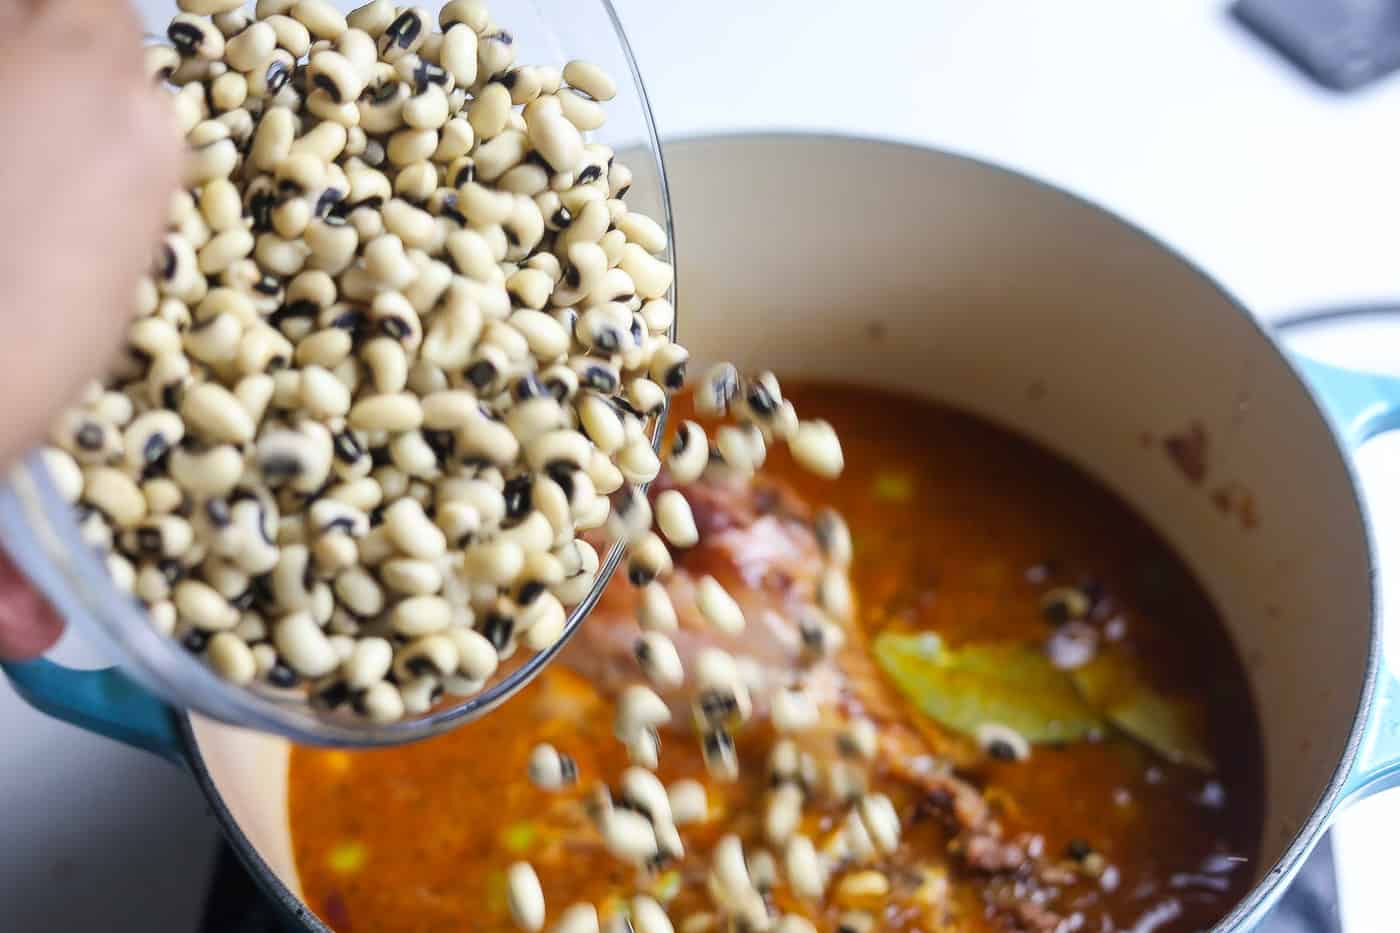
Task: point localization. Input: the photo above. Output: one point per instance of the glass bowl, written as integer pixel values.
(38, 529)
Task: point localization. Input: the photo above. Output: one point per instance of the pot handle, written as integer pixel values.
(1362, 405)
(106, 702)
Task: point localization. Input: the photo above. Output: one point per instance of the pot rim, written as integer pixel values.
(1269, 885)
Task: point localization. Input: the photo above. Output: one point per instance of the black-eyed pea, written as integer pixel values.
(177, 267)
(420, 615)
(496, 562)
(161, 62)
(265, 659)
(655, 612)
(336, 76)
(817, 449)
(533, 417)
(489, 111)
(372, 18)
(228, 92)
(231, 658)
(251, 628)
(458, 54)
(591, 515)
(557, 140)
(323, 396)
(412, 532)
(793, 711)
(430, 655)
(411, 577)
(211, 160)
(162, 536)
(659, 660)
(121, 572)
(289, 34)
(388, 366)
(387, 263)
(420, 694)
(334, 552)
(286, 389)
(577, 918)
(433, 281)
(331, 243)
(413, 226)
(381, 108)
(163, 616)
(642, 231)
(583, 113)
(412, 454)
(499, 153)
(368, 663)
(718, 607)
(380, 702)
(273, 140)
(64, 472)
(95, 531)
(206, 473)
(360, 592)
(303, 645)
(487, 439)
(410, 145)
(393, 481)
(214, 340)
(358, 48)
(195, 37)
(301, 457)
(543, 622)
(427, 110)
(387, 412)
(115, 494)
(803, 869)
(224, 249)
(649, 560)
(525, 897)
(320, 17)
(343, 646)
(215, 414)
(281, 256)
(262, 349)
(150, 437)
(605, 477)
(201, 606)
(189, 105)
(638, 462)
(292, 579)
(254, 393)
(356, 140)
(221, 206)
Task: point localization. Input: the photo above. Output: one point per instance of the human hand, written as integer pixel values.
(89, 155)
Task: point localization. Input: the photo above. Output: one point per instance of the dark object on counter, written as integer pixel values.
(1341, 44)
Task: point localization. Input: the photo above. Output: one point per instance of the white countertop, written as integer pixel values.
(1167, 113)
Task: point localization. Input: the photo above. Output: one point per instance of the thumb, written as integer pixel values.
(28, 624)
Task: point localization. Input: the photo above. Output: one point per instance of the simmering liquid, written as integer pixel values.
(960, 529)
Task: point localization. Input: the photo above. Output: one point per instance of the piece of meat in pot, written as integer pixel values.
(756, 540)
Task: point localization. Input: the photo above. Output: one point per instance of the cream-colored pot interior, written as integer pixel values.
(945, 278)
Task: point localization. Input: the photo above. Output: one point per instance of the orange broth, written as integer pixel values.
(959, 528)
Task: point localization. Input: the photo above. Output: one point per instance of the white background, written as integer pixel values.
(1163, 110)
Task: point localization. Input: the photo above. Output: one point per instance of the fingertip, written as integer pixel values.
(28, 624)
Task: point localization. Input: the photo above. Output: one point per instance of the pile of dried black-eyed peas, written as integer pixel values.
(402, 345)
